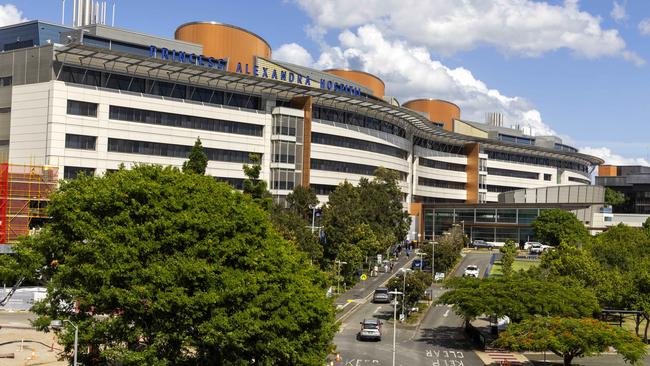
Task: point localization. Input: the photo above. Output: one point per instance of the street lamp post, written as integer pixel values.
(404, 271)
(462, 222)
(58, 324)
(338, 274)
(433, 260)
(395, 293)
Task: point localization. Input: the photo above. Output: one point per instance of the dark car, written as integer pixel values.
(381, 295)
(416, 264)
(479, 243)
(370, 329)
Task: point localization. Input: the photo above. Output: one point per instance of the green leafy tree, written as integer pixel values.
(614, 197)
(173, 268)
(416, 283)
(570, 338)
(197, 161)
(341, 215)
(447, 249)
(254, 186)
(296, 229)
(508, 255)
(302, 200)
(518, 297)
(555, 226)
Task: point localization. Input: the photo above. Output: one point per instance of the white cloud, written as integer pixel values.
(644, 27)
(611, 158)
(9, 14)
(618, 11)
(522, 27)
(293, 53)
(410, 73)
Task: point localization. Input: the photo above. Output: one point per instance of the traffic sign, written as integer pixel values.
(364, 277)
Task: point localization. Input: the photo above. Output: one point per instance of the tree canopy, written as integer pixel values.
(555, 226)
(254, 186)
(614, 197)
(570, 338)
(198, 160)
(171, 268)
(301, 201)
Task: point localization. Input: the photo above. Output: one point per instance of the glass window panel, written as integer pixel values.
(485, 215)
(507, 215)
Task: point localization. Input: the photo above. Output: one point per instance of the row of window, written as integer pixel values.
(79, 108)
(343, 167)
(535, 160)
(356, 119)
(71, 172)
(284, 179)
(512, 173)
(427, 199)
(438, 146)
(322, 189)
(516, 139)
(579, 180)
(428, 182)
(177, 151)
(287, 125)
(562, 147)
(350, 143)
(442, 165)
(155, 87)
(183, 121)
(501, 189)
(82, 142)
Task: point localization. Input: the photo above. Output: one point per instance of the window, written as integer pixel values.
(283, 152)
(527, 215)
(71, 172)
(322, 189)
(5, 110)
(517, 139)
(82, 142)
(441, 165)
(177, 151)
(579, 180)
(547, 177)
(183, 121)
(428, 182)
(485, 215)
(6, 81)
(343, 167)
(85, 109)
(438, 146)
(356, 119)
(507, 215)
(501, 189)
(350, 143)
(512, 173)
(536, 160)
(283, 179)
(286, 125)
(236, 183)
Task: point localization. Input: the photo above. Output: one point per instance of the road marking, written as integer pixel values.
(446, 313)
(376, 310)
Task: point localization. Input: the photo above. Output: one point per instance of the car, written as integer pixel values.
(471, 271)
(381, 295)
(439, 276)
(536, 248)
(370, 330)
(479, 243)
(529, 244)
(416, 264)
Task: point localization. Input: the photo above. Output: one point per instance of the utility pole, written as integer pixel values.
(395, 293)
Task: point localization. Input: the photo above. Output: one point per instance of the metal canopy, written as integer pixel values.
(412, 121)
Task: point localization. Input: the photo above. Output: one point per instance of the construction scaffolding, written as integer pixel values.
(24, 195)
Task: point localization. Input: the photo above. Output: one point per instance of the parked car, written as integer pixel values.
(381, 295)
(529, 244)
(370, 330)
(439, 276)
(536, 248)
(471, 271)
(479, 243)
(416, 264)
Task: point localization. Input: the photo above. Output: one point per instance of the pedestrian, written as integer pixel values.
(407, 254)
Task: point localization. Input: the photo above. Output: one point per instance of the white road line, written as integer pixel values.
(446, 313)
(376, 310)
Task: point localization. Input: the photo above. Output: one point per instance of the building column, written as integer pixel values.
(472, 151)
(305, 103)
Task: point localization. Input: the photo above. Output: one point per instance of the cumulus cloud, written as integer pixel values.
(618, 11)
(411, 73)
(611, 158)
(644, 27)
(522, 27)
(9, 14)
(293, 53)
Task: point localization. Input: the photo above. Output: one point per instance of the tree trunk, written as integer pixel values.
(645, 332)
(567, 359)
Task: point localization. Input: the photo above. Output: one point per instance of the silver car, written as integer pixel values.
(370, 330)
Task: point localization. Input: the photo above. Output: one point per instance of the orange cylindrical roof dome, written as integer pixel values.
(370, 81)
(440, 111)
(225, 41)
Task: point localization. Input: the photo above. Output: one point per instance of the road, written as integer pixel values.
(439, 340)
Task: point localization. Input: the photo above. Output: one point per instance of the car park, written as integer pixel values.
(479, 243)
(370, 330)
(381, 295)
(471, 271)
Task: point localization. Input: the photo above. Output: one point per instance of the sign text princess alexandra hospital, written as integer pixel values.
(263, 72)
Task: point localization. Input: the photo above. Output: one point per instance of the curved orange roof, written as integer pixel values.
(440, 111)
(368, 80)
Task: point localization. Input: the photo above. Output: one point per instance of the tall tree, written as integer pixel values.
(508, 255)
(183, 270)
(302, 200)
(197, 161)
(555, 226)
(254, 186)
(614, 197)
(570, 338)
(340, 217)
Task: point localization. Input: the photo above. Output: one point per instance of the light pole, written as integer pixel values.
(338, 274)
(58, 324)
(395, 293)
(433, 260)
(313, 217)
(462, 222)
(404, 272)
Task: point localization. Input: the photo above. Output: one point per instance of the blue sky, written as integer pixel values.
(579, 69)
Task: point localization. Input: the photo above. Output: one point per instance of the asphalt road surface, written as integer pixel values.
(439, 340)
